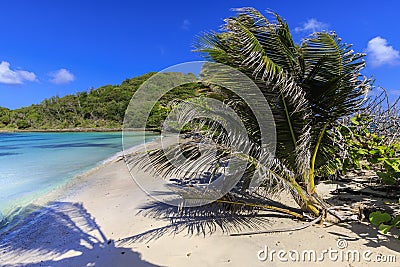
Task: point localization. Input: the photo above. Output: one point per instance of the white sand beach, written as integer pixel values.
(82, 224)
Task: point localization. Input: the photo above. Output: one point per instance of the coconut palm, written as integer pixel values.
(308, 87)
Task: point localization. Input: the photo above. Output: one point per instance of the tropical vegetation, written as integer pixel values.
(101, 108)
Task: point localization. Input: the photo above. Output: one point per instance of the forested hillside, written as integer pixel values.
(103, 107)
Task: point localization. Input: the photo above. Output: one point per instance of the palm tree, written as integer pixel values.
(308, 87)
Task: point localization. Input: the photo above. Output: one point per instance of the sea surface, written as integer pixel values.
(32, 164)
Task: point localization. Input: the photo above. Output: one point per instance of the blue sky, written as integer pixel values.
(60, 47)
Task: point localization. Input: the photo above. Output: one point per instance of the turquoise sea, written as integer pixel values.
(32, 164)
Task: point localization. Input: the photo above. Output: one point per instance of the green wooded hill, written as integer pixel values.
(103, 107)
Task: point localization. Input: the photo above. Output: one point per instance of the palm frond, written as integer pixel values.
(333, 84)
(263, 50)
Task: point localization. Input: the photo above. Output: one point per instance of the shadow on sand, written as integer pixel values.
(360, 192)
(41, 234)
(207, 219)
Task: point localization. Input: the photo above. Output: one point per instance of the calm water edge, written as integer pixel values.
(32, 164)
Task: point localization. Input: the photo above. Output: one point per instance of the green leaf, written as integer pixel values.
(354, 120)
(396, 221)
(377, 217)
(366, 167)
(386, 178)
(375, 151)
(385, 228)
(362, 151)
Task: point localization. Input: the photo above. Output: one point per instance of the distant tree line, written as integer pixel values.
(103, 107)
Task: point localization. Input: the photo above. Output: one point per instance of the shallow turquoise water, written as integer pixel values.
(32, 164)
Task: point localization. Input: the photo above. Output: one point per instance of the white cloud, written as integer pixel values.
(9, 76)
(61, 76)
(312, 25)
(380, 53)
(185, 24)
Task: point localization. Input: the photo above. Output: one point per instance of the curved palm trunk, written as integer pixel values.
(306, 202)
(311, 180)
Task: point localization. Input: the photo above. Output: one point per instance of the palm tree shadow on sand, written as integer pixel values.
(79, 241)
(233, 219)
(207, 219)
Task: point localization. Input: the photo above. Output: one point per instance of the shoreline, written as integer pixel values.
(73, 183)
(74, 130)
(69, 185)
